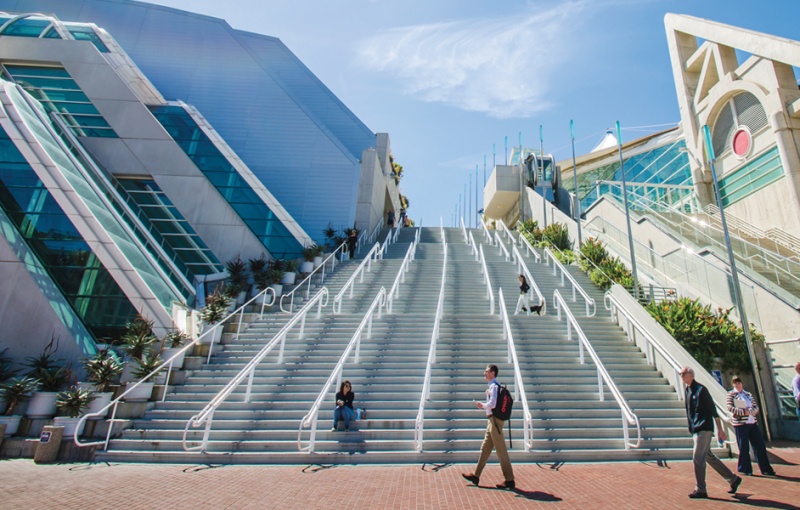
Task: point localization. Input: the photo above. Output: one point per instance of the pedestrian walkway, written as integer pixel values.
(619, 485)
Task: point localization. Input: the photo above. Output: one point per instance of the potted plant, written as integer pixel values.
(145, 366)
(329, 233)
(233, 291)
(215, 311)
(309, 253)
(262, 283)
(258, 266)
(237, 272)
(52, 378)
(72, 403)
(274, 278)
(6, 373)
(138, 338)
(13, 392)
(321, 249)
(171, 345)
(290, 266)
(101, 371)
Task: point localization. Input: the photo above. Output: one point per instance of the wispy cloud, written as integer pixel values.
(503, 66)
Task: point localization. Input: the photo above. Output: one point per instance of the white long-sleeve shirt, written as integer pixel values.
(491, 397)
(796, 388)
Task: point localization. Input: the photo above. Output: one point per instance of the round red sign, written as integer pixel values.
(741, 142)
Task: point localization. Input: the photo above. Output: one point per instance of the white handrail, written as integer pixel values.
(474, 246)
(464, 231)
(207, 414)
(628, 416)
(522, 268)
(396, 232)
(419, 423)
(501, 245)
(486, 231)
(319, 269)
(416, 238)
(167, 363)
(441, 228)
(374, 233)
(519, 389)
(509, 233)
(548, 255)
(489, 291)
(337, 301)
(386, 242)
(310, 419)
(394, 292)
(524, 240)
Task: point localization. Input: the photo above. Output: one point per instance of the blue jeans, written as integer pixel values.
(750, 435)
(342, 412)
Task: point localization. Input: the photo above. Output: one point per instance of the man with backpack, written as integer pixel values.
(498, 410)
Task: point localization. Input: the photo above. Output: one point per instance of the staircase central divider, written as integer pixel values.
(207, 414)
(419, 423)
(319, 271)
(548, 255)
(486, 231)
(464, 231)
(509, 233)
(503, 249)
(474, 247)
(522, 268)
(524, 241)
(167, 363)
(377, 252)
(310, 419)
(372, 235)
(628, 416)
(519, 389)
(489, 291)
(394, 292)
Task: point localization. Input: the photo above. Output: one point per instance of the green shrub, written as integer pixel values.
(566, 257)
(557, 234)
(705, 334)
(593, 250)
(530, 225)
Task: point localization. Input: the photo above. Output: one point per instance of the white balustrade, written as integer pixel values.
(576, 288)
(394, 292)
(489, 291)
(519, 389)
(319, 272)
(365, 264)
(501, 245)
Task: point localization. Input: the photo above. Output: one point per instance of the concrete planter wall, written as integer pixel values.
(169, 352)
(278, 288)
(141, 393)
(317, 261)
(70, 426)
(289, 278)
(42, 404)
(99, 403)
(11, 423)
(306, 266)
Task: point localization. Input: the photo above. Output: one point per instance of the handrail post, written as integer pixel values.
(249, 385)
(600, 385)
(239, 327)
(358, 342)
(111, 425)
(280, 353)
(302, 326)
(166, 381)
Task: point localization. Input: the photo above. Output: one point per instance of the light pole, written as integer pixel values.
(541, 162)
(476, 196)
(737, 291)
(575, 176)
(469, 213)
(627, 215)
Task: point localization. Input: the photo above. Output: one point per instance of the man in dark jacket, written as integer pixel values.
(702, 414)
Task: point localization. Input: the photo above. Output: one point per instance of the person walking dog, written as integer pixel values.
(744, 410)
(702, 415)
(494, 439)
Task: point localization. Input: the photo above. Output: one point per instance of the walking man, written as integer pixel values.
(494, 435)
(702, 415)
(796, 387)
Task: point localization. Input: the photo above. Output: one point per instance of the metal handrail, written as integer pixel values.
(575, 286)
(167, 363)
(508, 231)
(207, 414)
(464, 231)
(474, 246)
(519, 389)
(310, 419)
(522, 268)
(441, 229)
(321, 269)
(527, 243)
(374, 233)
(489, 291)
(419, 423)
(394, 292)
(628, 416)
(396, 232)
(651, 343)
(386, 242)
(502, 246)
(485, 231)
(337, 300)
(416, 238)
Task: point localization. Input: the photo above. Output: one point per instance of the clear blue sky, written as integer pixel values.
(448, 78)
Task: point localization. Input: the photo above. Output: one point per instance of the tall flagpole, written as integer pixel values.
(505, 154)
(476, 196)
(575, 176)
(469, 214)
(541, 163)
(494, 156)
(627, 216)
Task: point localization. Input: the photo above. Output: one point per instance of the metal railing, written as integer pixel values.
(367, 262)
(548, 255)
(386, 242)
(474, 246)
(489, 292)
(441, 229)
(501, 245)
(394, 292)
(396, 232)
(374, 233)
(318, 271)
(419, 423)
(519, 389)
(522, 268)
(523, 241)
(168, 364)
(628, 416)
(508, 231)
(782, 355)
(485, 230)
(464, 231)
(206, 416)
(310, 419)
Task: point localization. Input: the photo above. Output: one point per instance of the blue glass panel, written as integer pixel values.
(26, 27)
(88, 34)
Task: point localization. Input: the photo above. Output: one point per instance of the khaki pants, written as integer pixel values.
(702, 455)
(494, 440)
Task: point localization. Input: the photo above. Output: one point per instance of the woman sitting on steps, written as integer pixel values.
(344, 406)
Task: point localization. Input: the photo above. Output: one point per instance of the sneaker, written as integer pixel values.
(509, 485)
(770, 473)
(471, 478)
(347, 429)
(735, 485)
(698, 495)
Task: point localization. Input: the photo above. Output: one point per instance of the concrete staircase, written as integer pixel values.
(571, 424)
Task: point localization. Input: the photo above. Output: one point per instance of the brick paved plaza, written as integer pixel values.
(582, 486)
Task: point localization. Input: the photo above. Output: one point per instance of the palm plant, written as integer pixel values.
(145, 366)
(138, 337)
(175, 339)
(274, 276)
(53, 379)
(258, 265)
(73, 402)
(310, 251)
(292, 265)
(329, 232)
(216, 308)
(6, 372)
(102, 369)
(261, 281)
(45, 361)
(17, 391)
(237, 270)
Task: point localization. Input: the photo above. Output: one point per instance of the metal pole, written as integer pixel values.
(460, 209)
(627, 216)
(541, 162)
(505, 153)
(464, 210)
(521, 187)
(737, 291)
(575, 176)
(469, 216)
(476, 196)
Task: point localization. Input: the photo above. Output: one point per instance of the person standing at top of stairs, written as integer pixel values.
(494, 439)
(352, 240)
(390, 218)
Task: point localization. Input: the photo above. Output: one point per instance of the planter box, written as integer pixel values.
(11, 423)
(317, 261)
(42, 404)
(169, 352)
(289, 278)
(99, 403)
(127, 372)
(70, 426)
(306, 267)
(141, 393)
(213, 337)
(278, 288)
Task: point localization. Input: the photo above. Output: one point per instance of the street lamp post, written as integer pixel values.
(737, 291)
(575, 176)
(627, 215)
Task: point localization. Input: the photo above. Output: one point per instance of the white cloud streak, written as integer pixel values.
(503, 67)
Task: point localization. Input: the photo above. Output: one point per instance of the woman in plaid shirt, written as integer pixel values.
(744, 410)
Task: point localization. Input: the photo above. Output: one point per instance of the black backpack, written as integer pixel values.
(505, 403)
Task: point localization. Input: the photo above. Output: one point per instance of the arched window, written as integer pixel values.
(742, 110)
